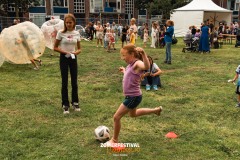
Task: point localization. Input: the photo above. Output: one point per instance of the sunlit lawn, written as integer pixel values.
(199, 106)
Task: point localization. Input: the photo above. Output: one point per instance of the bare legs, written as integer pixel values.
(145, 111)
(122, 110)
(34, 63)
(100, 42)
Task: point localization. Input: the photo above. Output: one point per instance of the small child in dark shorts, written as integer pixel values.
(124, 35)
(238, 84)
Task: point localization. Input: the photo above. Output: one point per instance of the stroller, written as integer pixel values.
(238, 38)
(191, 43)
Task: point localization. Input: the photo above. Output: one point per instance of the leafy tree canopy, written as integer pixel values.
(157, 7)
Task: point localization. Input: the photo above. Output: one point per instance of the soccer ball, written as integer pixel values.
(102, 133)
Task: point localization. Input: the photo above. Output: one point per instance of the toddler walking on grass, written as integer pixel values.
(137, 61)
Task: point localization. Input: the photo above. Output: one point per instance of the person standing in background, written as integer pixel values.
(204, 39)
(99, 33)
(115, 29)
(68, 45)
(154, 35)
(133, 27)
(168, 41)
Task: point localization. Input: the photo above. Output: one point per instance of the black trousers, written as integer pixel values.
(70, 63)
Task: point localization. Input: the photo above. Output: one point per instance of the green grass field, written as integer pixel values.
(199, 106)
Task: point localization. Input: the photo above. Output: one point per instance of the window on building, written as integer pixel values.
(36, 3)
(60, 3)
(79, 6)
(11, 8)
(221, 3)
(119, 5)
(66, 3)
(129, 6)
(91, 4)
(112, 4)
(232, 4)
(237, 5)
(96, 5)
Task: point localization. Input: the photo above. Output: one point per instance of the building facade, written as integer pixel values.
(84, 10)
(231, 5)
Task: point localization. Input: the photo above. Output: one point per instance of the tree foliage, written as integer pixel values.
(159, 7)
(23, 4)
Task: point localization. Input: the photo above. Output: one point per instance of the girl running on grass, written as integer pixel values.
(137, 61)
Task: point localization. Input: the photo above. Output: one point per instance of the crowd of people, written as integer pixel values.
(209, 34)
(159, 36)
(111, 33)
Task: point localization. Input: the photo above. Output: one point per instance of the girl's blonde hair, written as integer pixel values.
(131, 49)
(133, 20)
(69, 15)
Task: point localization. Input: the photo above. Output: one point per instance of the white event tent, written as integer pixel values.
(196, 12)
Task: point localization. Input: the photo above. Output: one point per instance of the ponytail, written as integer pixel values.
(131, 49)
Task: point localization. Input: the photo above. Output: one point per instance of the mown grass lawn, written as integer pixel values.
(199, 106)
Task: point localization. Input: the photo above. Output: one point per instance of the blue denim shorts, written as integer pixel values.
(132, 102)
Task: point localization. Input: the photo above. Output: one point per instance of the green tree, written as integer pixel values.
(3, 8)
(24, 4)
(163, 7)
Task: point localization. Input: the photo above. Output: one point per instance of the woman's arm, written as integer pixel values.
(159, 71)
(78, 48)
(236, 76)
(144, 65)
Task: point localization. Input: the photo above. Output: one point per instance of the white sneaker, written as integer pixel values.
(36, 68)
(65, 109)
(76, 107)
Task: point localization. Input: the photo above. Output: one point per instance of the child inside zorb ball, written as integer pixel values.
(22, 43)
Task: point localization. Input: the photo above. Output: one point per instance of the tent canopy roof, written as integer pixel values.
(202, 5)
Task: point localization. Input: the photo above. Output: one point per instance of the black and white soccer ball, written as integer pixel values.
(102, 133)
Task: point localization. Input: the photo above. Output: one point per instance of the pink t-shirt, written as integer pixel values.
(131, 82)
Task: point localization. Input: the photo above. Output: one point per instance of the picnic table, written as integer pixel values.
(227, 38)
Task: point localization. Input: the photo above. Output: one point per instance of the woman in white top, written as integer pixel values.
(154, 34)
(68, 45)
(99, 33)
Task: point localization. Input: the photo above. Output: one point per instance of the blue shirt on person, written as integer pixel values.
(168, 34)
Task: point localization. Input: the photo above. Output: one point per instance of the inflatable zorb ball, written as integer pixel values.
(22, 42)
(102, 133)
(2, 58)
(50, 29)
